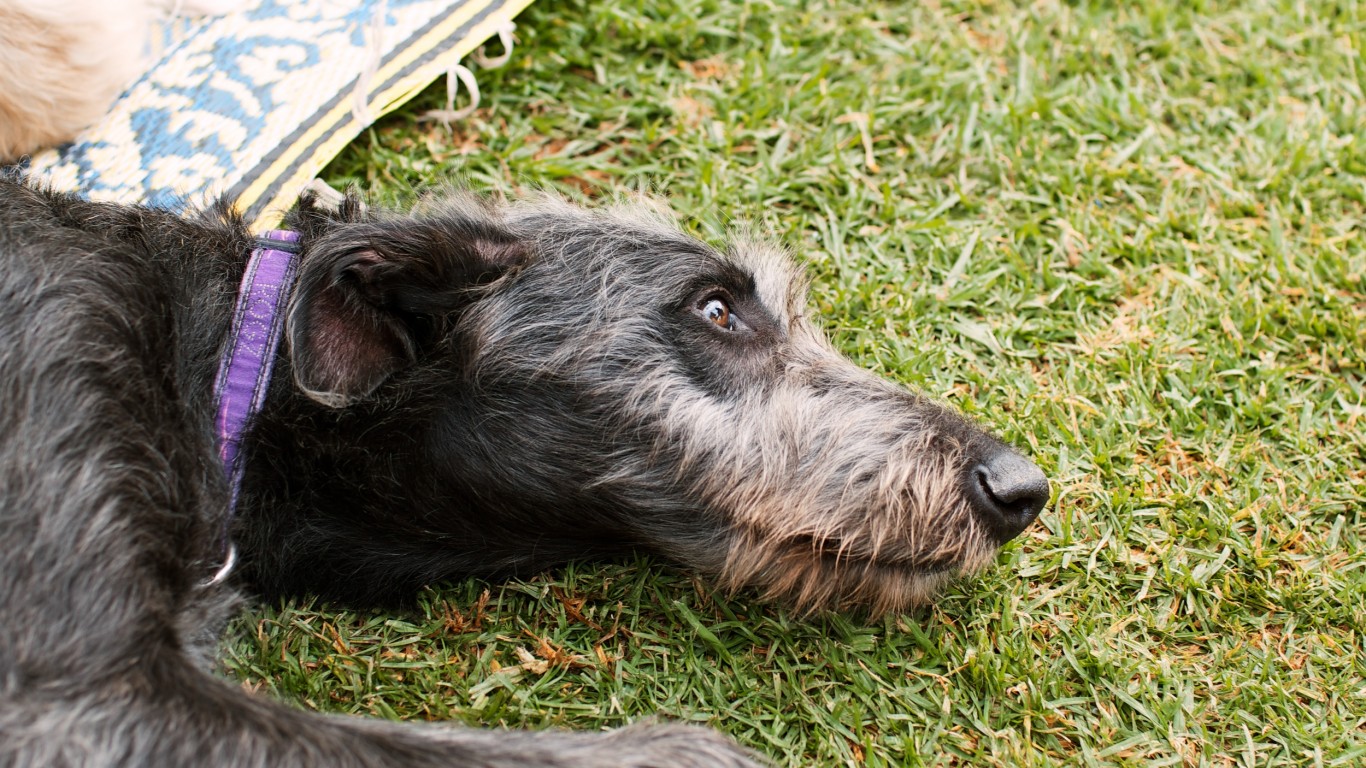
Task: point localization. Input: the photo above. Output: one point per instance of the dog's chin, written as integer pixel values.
(813, 579)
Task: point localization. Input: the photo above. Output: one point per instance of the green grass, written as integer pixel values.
(1127, 238)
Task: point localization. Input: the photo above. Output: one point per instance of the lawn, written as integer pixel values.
(1125, 236)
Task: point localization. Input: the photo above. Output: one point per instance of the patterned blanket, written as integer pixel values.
(253, 104)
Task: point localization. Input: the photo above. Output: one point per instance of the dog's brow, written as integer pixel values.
(776, 283)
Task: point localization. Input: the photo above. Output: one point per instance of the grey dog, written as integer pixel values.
(467, 389)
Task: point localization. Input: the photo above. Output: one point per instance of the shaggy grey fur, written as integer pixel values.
(468, 389)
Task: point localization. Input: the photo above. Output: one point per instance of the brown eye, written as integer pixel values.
(718, 312)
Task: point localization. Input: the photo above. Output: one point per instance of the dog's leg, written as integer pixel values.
(109, 499)
(170, 714)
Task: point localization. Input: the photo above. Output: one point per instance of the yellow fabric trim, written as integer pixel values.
(341, 127)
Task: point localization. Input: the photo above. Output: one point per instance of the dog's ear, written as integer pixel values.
(371, 293)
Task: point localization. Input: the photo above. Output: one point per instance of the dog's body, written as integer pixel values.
(469, 390)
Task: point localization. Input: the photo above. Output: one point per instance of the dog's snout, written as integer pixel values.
(1007, 491)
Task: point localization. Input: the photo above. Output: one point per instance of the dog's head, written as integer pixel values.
(613, 383)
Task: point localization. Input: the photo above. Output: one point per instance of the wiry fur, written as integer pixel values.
(775, 462)
(470, 389)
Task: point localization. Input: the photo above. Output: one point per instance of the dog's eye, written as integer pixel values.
(718, 312)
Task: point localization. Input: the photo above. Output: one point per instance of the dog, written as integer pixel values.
(469, 388)
(63, 62)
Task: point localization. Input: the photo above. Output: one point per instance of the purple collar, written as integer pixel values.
(244, 370)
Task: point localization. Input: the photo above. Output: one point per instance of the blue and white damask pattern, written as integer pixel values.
(254, 103)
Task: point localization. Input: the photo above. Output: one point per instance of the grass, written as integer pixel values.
(1126, 236)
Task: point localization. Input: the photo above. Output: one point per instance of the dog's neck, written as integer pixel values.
(244, 371)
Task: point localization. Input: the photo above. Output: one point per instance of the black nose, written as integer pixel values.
(1008, 492)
